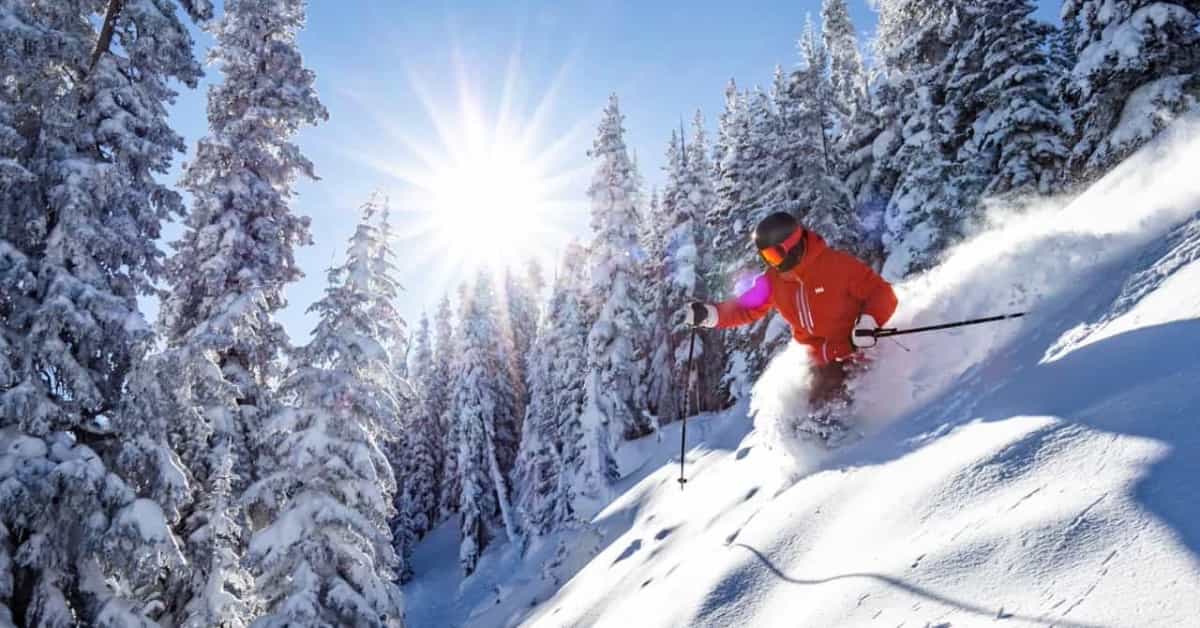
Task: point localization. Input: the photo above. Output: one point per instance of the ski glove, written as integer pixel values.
(865, 322)
(699, 314)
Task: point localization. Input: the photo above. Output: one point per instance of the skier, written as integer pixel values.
(825, 295)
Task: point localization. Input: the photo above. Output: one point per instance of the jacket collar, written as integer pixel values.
(814, 247)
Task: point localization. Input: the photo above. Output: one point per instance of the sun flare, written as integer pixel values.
(492, 203)
(499, 182)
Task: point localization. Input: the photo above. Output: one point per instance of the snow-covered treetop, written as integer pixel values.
(613, 193)
(238, 251)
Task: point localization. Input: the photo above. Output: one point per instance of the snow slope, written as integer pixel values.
(1037, 472)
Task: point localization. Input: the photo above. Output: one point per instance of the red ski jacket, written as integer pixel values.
(821, 298)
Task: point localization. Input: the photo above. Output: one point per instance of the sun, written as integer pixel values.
(487, 180)
(491, 201)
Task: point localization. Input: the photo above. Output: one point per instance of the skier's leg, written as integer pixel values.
(828, 387)
(828, 404)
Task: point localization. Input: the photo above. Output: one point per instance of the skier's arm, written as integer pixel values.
(874, 292)
(747, 307)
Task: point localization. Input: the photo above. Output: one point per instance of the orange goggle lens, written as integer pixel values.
(774, 255)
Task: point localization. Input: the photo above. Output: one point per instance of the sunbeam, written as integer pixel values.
(493, 187)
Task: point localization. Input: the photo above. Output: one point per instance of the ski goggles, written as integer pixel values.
(774, 255)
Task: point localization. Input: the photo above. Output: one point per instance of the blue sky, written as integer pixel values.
(389, 73)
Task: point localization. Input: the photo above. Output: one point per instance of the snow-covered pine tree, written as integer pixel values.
(864, 148)
(859, 115)
(926, 48)
(680, 282)
(1137, 66)
(656, 393)
(847, 78)
(1019, 135)
(697, 197)
(83, 138)
(616, 337)
(808, 186)
(227, 278)
(813, 76)
(535, 477)
(483, 399)
(744, 186)
(419, 461)
(726, 225)
(550, 440)
(700, 173)
(977, 115)
(760, 153)
(438, 398)
(856, 124)
(796, 148)
(325, 556)
(519, 322)
(384, 305)
(409, 451)
(570, 369)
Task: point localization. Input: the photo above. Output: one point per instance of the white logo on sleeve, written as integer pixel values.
(819, 290)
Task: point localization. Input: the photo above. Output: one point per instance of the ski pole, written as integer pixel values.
(886, 332)
(683, 408)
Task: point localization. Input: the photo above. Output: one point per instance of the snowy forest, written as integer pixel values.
(203, 469)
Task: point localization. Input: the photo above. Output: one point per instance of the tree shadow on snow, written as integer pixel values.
(1143, 383)
(990, 613)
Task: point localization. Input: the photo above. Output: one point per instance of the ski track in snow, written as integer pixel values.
(1036, 473)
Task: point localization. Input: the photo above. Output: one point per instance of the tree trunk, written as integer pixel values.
(106, 32)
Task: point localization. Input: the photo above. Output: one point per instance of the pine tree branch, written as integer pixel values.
(106, 32)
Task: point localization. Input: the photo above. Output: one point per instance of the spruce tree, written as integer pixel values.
(441, 386)
(519, 322)
(861, 113)
(847, 77)
(830, 210)
(809, 187)
(690, 269)
(1137, 66)
(656, 394)
(483, 399)
(726, 226)
(746, 187)
(383, 264)
(615, 339)
(926, 48)
(867, 171)
(1019, 134)
(764, 166)
(535, 477)
(976, 115)
(419, 459)
(325, 557)
(544, 498)
(83, 141)
(226, 279)
(576, 437)
(680, 222)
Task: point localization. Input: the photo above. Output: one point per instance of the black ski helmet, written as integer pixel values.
(774, 230)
